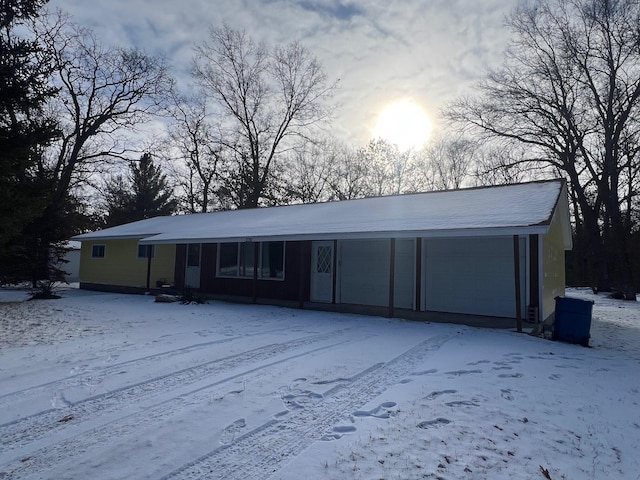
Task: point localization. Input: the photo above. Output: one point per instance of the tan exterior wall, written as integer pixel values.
(121, 265)
(553, 262)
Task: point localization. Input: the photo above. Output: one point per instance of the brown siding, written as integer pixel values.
(287, 289)
(181, 256)
(208, 257)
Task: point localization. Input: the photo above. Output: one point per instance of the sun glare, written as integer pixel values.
(405, 124)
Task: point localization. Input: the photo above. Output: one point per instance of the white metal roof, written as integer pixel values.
(499, 210)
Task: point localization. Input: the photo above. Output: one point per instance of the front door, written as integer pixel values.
(322, 271)
(192, 272)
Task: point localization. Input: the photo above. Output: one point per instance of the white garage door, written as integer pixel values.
(364, 272)
(474, 276)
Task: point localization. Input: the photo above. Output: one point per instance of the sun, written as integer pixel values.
(405, 124)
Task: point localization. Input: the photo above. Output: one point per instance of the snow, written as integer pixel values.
(109, 386)
(500, 210)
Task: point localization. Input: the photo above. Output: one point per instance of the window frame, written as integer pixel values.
(240, 264)
(148, 247)
(103, 249)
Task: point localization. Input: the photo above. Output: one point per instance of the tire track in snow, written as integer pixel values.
(259, 453)
(48, 458)
(113, 369)
(29, 429)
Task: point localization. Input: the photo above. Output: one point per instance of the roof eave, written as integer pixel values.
(445, 233)
(89, 237)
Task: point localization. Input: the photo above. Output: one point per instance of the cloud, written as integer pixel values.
(431, 51)
(339, 10)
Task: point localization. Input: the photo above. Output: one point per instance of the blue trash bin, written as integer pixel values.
(573, 320)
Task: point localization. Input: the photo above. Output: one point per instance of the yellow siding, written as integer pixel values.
(121, 265)
(553, 277)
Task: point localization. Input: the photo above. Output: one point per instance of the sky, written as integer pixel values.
(427, 51)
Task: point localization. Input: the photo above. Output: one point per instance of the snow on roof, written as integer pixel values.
(499, 210)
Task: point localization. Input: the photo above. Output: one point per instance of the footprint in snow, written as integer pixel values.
(437, 422)
(461, 403)
(381, 411)
(59, 400)
(479, 362)
(426, 372)
(462, 372)
(510, 375)
(301, 398)
(506, 394)
(437, 393)
(338, 432)
(231, 431)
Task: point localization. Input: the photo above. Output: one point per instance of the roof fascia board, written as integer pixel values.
(90, 238)
(484, 232)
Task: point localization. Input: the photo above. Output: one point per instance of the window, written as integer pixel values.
(272, 260)
(324, 259)
(97, 251)
(238, 260)
(247, 256)
(228, 260)
(193, 255)
(146, 251)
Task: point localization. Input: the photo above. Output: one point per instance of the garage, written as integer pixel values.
(472, 275)
(363, 272)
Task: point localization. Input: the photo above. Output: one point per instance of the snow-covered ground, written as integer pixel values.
(107, 386)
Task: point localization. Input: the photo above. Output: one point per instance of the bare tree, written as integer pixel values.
(501, 165)
(348, 173)
(389, 169)
(265, 97)
(104, 92)
(446, 162)
(307, 172)
(101, 93)
(570, 92)
(197, 142)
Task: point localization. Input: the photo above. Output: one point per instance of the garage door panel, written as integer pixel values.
(364, 272)
(473, 276)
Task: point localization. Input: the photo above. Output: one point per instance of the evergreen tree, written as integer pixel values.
(145, 194)
(24, 132)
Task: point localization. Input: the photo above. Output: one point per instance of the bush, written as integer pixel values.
(190, 296)
(44, 290)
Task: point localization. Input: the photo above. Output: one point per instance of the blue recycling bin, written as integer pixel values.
(573, 320)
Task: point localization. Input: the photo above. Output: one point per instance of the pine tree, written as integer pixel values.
(24, 132)
(145, 194)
